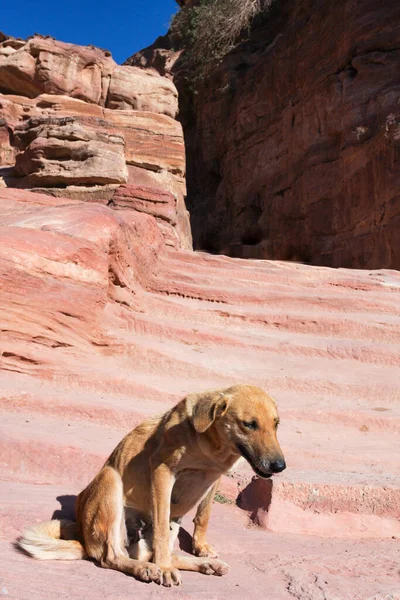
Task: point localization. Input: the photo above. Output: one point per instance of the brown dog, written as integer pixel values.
(159, 472)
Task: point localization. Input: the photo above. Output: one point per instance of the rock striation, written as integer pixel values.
(162, 205)
(106, 319)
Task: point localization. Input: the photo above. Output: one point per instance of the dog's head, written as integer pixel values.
(245, 419)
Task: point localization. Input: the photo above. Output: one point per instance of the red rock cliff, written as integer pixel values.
(293, 142)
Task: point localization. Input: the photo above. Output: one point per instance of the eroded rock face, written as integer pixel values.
(162, 205)
(102, 326)
(72, 258)
(134, 88)
(295, 157)
(292, 143)
(44, 65)
(70, 135)
(60, 151)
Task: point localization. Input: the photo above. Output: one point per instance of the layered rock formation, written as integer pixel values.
(293, 141)
(160, 204)
(75, 124)
(101, 325)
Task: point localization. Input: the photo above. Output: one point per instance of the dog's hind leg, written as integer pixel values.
(200, 545)
(101, 515)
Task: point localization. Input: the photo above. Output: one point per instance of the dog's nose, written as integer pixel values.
(277, 466)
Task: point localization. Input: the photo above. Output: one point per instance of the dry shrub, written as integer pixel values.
(211, 29)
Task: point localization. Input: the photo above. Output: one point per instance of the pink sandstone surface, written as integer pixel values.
(103, 324)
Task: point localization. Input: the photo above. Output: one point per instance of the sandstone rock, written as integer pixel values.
(100, 193)
(153, 142)
(10, 114)
(7, 154)
(291, 143)
(71, 258)
(121, 125)
(44, 65)
(60, 151)
(144, 90)
(101, 325)
(155, 155)
(9, 45)
(54, 105)
(154, 150)
(160, 204)
(16, 110)
(160, 56)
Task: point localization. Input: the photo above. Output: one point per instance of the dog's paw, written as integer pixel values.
(214, 567)
(149, 572)
(204, 550)
(171, 577)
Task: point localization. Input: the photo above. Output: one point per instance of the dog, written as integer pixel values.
(128, 517)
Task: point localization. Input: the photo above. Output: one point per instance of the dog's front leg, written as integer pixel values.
(161, 488)
(200, 545)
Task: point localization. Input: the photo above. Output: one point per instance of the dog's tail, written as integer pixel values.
(53, 540)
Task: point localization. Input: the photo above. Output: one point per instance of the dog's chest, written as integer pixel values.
(190, 487)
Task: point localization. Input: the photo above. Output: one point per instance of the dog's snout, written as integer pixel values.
(278, 466)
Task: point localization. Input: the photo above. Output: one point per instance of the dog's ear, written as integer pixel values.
(205, 408)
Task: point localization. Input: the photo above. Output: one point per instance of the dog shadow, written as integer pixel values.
(185, 541)
(67, 509)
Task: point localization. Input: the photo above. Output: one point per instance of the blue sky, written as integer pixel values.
(121, 26)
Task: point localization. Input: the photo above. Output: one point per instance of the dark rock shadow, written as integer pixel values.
(257, 495)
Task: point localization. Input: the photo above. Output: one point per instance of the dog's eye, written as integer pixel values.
(276, 423)
(250, 424)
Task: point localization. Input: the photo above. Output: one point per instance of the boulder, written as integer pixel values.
(132, 88)
(43, 65)
(61, 151)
